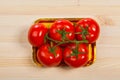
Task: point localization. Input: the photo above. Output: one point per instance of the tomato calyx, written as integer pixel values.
(84, 32)
(52, 50)
(63, 34)
(75, 51)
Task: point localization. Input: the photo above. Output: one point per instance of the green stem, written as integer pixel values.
(51, 39)
(78, 33)
(77, 42)
(59, 44)
(63, 42)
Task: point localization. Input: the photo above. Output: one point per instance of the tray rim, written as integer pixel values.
(53, 19)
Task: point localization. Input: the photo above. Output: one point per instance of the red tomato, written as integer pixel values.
(62, 30)
(36, 34)
(49, 56)
(76, 56)
(87, 28)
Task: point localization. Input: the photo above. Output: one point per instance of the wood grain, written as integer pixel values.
(15, 51)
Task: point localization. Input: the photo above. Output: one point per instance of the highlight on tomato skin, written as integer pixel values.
(88, 29)
(36, 34)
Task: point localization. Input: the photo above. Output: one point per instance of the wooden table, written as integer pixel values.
(16, 16)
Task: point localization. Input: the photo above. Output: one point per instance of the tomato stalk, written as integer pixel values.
(47, 37)
(63, 42)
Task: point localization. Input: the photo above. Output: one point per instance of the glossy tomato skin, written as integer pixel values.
(47, 58)
(93, 29)
(36, 34)
(76, 61)
(62, 25)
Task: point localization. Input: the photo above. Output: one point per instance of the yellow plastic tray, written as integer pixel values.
(48, 22)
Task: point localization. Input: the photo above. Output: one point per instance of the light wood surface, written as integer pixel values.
(16, 16)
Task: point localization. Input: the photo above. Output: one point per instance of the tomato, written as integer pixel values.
(62, 30)
(88, 29)
(49, 56)
(36, 34)
(76, 55)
